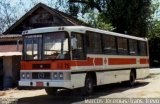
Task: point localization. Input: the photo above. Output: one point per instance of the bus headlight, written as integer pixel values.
(23, 75)
(60, 75)
(55, 75)
(28, 75)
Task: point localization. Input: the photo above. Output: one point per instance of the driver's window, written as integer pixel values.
(77, 46)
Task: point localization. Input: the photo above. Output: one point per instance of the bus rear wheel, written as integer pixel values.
(88, 88)
(131, 82)
(51, 91)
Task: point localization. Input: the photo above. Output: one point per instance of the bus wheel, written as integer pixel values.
(131, 82)
(51, 91)
(88, 88)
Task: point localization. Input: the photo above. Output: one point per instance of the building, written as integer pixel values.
(10, 56)
(42, 16)
(11, 40)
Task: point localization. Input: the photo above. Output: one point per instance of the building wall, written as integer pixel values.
(9, 65)
(7, 70)
(11, 70)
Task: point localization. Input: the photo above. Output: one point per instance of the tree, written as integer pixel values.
(154, 37)
(154, 43)
(90, 15)
(125, 15)
(7, 15)
(154, 29)
(98, 20)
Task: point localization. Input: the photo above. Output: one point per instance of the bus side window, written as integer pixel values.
(133, 47)
(94, 43)
(77, 46)
(74, 41)
(122, 46)
(142, 48)
(109, 44)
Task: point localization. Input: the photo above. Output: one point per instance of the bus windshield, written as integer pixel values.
(46, 46)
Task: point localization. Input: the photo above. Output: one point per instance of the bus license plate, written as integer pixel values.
(39, 84)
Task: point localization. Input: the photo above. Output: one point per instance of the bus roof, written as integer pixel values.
(80, 29)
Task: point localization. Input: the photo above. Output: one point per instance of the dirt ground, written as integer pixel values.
(146, 88)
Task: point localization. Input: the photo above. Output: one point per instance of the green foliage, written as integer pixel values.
(154, 26)
(130, 15)
(154, 43)
(98, 20)
(103, 23)
(125, 15)
(105, 26)
(154, 29)
(154, 37)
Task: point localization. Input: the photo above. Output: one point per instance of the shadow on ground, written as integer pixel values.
(74, 96)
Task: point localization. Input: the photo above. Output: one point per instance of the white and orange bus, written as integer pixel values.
(76, 56)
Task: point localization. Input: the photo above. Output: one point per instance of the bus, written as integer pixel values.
(69, 57)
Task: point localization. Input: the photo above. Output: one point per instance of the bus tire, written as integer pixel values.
(131, 82)
(88, 88)
(51, 91)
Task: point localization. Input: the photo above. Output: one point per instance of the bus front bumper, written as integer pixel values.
(60, 84)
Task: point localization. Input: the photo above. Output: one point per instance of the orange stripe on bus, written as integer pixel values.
(62, 64)
(98, 61)
(88, 62)
(121, 61)
(144, 61)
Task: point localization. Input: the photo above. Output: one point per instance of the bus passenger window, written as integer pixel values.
(122, 46)
(74, 42)
(94, 43)
(109, 44)
(142, 48)
(77, 46)
(132, 47)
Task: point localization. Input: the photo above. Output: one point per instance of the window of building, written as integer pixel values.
(94, 43)
(109, 44)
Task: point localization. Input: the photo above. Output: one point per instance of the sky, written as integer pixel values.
(28, 4)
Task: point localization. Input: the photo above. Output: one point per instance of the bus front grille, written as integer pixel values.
(41, 75)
